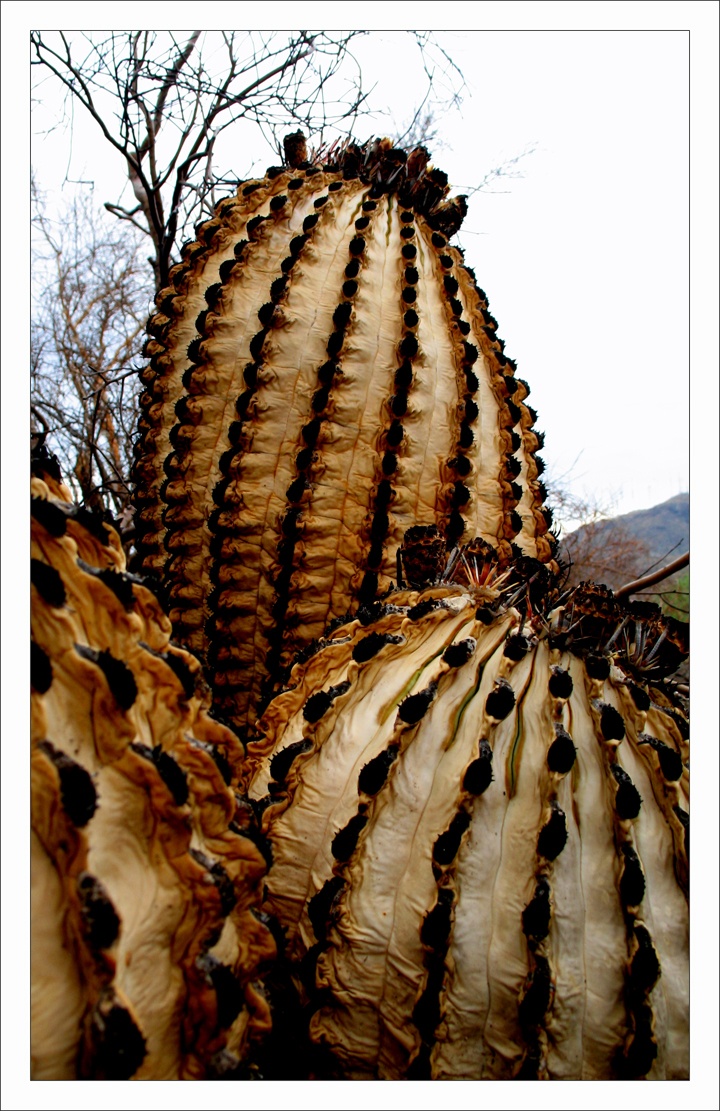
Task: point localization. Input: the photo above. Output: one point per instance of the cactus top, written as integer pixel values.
(324, 373)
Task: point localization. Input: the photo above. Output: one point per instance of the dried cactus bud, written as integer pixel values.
(423, 555)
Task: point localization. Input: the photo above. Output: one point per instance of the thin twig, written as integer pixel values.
(662, 557)
(108, 382)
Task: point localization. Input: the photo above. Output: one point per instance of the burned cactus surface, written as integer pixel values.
(139, 873)
(488, 821)
(390, 803)
(323, 374)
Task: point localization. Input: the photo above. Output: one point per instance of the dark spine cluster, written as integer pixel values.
(77, 789)
(151, 503)
(56, 516)
(515, 424)
(114, 1048)
(538, 990)
(182, 518)
(435, 935)
(393, 436)
(504, 387)
(635, 1058)
(436, 930)
(537, 995)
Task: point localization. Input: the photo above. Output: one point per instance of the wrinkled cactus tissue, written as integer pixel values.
(338, 781)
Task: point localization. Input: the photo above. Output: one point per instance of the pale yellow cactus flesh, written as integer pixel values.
(145, 937)
(413, 881)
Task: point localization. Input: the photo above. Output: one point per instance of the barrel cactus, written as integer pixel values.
(146, 874)
(438, 807)
(324, 373)
(478, 817)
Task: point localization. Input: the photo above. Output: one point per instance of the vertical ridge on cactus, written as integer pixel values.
(343, 384)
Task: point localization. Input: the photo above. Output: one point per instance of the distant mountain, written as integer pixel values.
(662, 526)
(622, 548)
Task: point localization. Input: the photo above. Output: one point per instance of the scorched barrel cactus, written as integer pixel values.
(455, 844)
(324, 373)
(478, 819)
(146, 871)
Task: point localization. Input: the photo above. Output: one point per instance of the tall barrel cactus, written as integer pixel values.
(479, 830)
(324, 373)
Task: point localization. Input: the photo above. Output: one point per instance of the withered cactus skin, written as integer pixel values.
(324, 373)
(145, 887)
(479, 862)
(456, 846)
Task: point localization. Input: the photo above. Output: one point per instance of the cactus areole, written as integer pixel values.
(324, 373)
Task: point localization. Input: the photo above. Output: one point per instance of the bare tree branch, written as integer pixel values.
(172, 79)
(162, 105)
(655, 577)
(508, 169)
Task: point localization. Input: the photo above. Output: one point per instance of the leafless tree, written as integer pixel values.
(91, 297)
(508, 169)
(605, 551)
(163, 105)
(593, 546)
(597, 547)
(674, 596)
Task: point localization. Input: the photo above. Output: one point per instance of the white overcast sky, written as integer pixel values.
(584, 258)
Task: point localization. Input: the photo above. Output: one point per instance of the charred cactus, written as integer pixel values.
(467, 812)
(146, 868)
(480, 856)
(324, 372)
